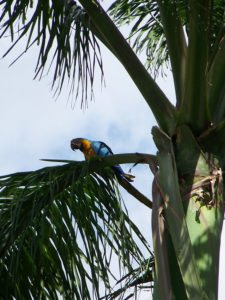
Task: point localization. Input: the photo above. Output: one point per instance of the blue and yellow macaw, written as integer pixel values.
(97, 148)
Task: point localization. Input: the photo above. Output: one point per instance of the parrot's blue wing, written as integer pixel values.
(101, 149)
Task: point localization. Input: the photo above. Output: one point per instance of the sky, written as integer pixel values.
(35, 125)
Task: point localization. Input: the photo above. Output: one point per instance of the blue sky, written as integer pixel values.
(34, 125)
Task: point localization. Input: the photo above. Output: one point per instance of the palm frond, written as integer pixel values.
(146, 32)
(65, 41)
(138, 278)
(61, 228)
(147, 29)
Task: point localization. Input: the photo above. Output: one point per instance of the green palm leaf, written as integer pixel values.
(157, 29)
(147, 28)
(61, 227)
(146, 31)
(65, 42)
(140, 277)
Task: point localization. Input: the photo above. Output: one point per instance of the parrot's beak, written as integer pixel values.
(76, 144)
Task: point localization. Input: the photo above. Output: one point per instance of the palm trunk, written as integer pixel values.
(189, 184)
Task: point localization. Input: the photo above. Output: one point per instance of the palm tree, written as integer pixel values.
(70, 220)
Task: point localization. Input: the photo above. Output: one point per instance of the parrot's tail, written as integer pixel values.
(120, 173)
(129, 177)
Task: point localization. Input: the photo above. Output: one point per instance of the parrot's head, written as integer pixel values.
(77, 144)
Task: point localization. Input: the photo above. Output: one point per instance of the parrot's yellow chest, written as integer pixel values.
(87, 150)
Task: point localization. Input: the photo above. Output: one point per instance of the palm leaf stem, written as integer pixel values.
(176, 44)
(194, 110)
(135, 192)
(97, 163)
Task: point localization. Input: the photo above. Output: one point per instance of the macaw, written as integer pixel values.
(97, 148)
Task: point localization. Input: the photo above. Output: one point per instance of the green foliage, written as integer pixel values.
(64, 40)
(141, 275)
(61, 228)
(161, 29)
(146, 31)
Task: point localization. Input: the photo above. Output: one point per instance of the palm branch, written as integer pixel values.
(62, 228)
(66, 44)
